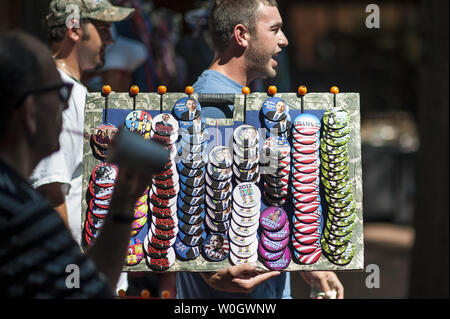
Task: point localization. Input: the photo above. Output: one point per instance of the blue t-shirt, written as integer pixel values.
(190, 285)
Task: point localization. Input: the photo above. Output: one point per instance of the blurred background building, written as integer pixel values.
(401, 73)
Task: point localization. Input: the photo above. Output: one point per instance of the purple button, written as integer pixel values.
(268, 255)
(278, 235)
(281, 263)
(273, 218)
(274, 245)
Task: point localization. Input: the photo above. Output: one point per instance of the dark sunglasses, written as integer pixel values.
(64, 91)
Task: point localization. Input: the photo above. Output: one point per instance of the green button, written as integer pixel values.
(334, 185)
(332, 150)
(337, 133)
(339, 203)
(343, 211)
(344, 258)
(335, 176)
(336, 119)
(341, 193)
(342, 221)
(335, 141)
(334, 159)
(331, 249)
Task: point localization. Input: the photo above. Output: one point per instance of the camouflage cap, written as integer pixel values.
(100, 10)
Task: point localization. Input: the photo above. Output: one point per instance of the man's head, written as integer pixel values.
(254, 26)
(165, 117)
(32, 94)
(191, 105)
(280, 106)
(83, 25)
(216, 242)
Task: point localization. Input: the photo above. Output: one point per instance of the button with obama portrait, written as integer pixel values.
(185, 252)
(105, 174)
(193, 127)
(103, 135)
(165, 124)
(216, 247)
(275, 109)
(187, 109)
(220, 156)
(246, 136)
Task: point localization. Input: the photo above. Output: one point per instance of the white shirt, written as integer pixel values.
(66, 165)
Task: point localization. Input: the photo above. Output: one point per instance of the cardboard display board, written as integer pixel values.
(220, 131)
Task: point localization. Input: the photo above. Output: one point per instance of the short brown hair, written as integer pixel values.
(226, 14)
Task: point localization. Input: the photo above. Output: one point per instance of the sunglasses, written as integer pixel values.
(64, 92)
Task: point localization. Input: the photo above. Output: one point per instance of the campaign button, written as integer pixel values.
(193, 127)
(185, 252)
(164, 234)
(307, 207)
(241, 240)
(255, 179)
(274, 245)
(344, 211)
(166, 193)
(245, 221)
(153, 251)
(100, 192)
(244, 174)
(281, 263)
(337, 133)
(135, 119)
(276, 182)
(196, 139)
(335, 141)
(216, 247)
(306, 148)
(273, 201)
(165, 124)
(164, 140)
(306, 239)
(158, 243)
(308, 259)
(269, 255)
(246, 135)
(191, 219)
(103, 135)
(187, 109)
(163, 212)
(247, 212)
(135, 252)
(235, 260)
(307, 124)
(278, 126)
(244, 251)
(162, 203)
(188, 209)
(276, 191)
(193, 181)
(245, 152)
(248, 163)
(219, 174)
(339, 203)
(336, 240)
(279, 234)
(219, 194)
(217, 185)
(214, 226)
(335, 176)
(280, 172)
(164, 263)
(311, 178)
(220, 156)
(219, 216)
(244, 231)
(304, 249)
(218, 205)
(193, 191)
(341, 193)
(275, 109)
(166, 184)
(276, 147)
(336, 119)
(306, 198)
(345, 258)
(246, 195)
(138, 223)
(332, 150)
(303, 188)
(171, 172)
(165, 223)
(306, 229)
(335, 167)
(191, 230)
(95, 222)
(335, 159)
(185, 155)
(334, 185)
(307, 168)
(305, 158)
(105, 175)
(192, 200)
(308, 218)
(306, 139)
(197, 164)
(192, 241)
(342, 221)
(187, 148)
(276, 133)
(329, 249)
(341, 231)
(98, 211)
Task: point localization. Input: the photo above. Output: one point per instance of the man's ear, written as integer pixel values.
(241, 35)
(74, 34)
(28, 115)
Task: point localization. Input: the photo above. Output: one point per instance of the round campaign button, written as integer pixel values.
(280, 192)
(273, 218)
(274, 245)
(195, 164)
(98, 152)
(245, 152)
(244, 251)
(244, 231)
(188, 209)
(269, 255)
(164, 263)
(342, 221)
(164, 234)
(187, 156)
(335, 167)
(304, 249)
(91, 231)
(307, 218)
(217, 185)
(192, 241)
(171, 172)
(105, 174)
(279, 234)
(158, 243)
(162, 203)
(165, 223)
(307, 168)
(274, 201)
(164, 140)
(138, 223)
(333, 150)
(98, 211)
(218, 205)
(335, 176)
(306, 148)
(192, 200)
(166, 193)
(216, 247)
(336, 118)
(306, 198)
(276, 182)
(336, 240)
(219, 194)
(306, 239)
(165, 212)
(281, 263)
(241, 240)
(192, 191)
(219, 174)
(312, 178)
(220, 156)
(153, 251)
(275, 109)
(336, 141)
(196, 139)
(136, 119)
(303, 188)
(337, 133)
(165, 124)
(276, 147)
(214, 226)
(191, 230)
(335, 159)
(246, 136)
(255, 179)
(167, 183)
(247, 212)
(193, 127)
(235, 260)
(219, 216)
(192, 181)
(246, 195)
(186, 148)
(307, 207)
(100, 192)
(246, 174)
(307, 124)
(339, 230)
(271, 165)
(191, 219)
(95, 222)
(332, 250)
(306, 139)
(282, 172)
(306, 229)
(305, 158)
(185, 252)
(278, 126)
(245, 221)
(135, 252)
(308, 259)
(248, 163)
(187, 109)
(344, 211)
(344, 258)
(103, 135)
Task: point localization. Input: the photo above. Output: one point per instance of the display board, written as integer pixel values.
(349, 245)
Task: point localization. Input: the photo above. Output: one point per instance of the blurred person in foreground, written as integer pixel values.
(247, 39)
(38, 256)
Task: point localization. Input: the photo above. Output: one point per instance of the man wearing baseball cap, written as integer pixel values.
(79, 33)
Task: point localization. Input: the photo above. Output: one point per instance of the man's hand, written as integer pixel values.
(237, 279)
(324, 281)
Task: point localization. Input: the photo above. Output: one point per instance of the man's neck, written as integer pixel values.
(69, 67)
(19, 159)
(232, 67)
